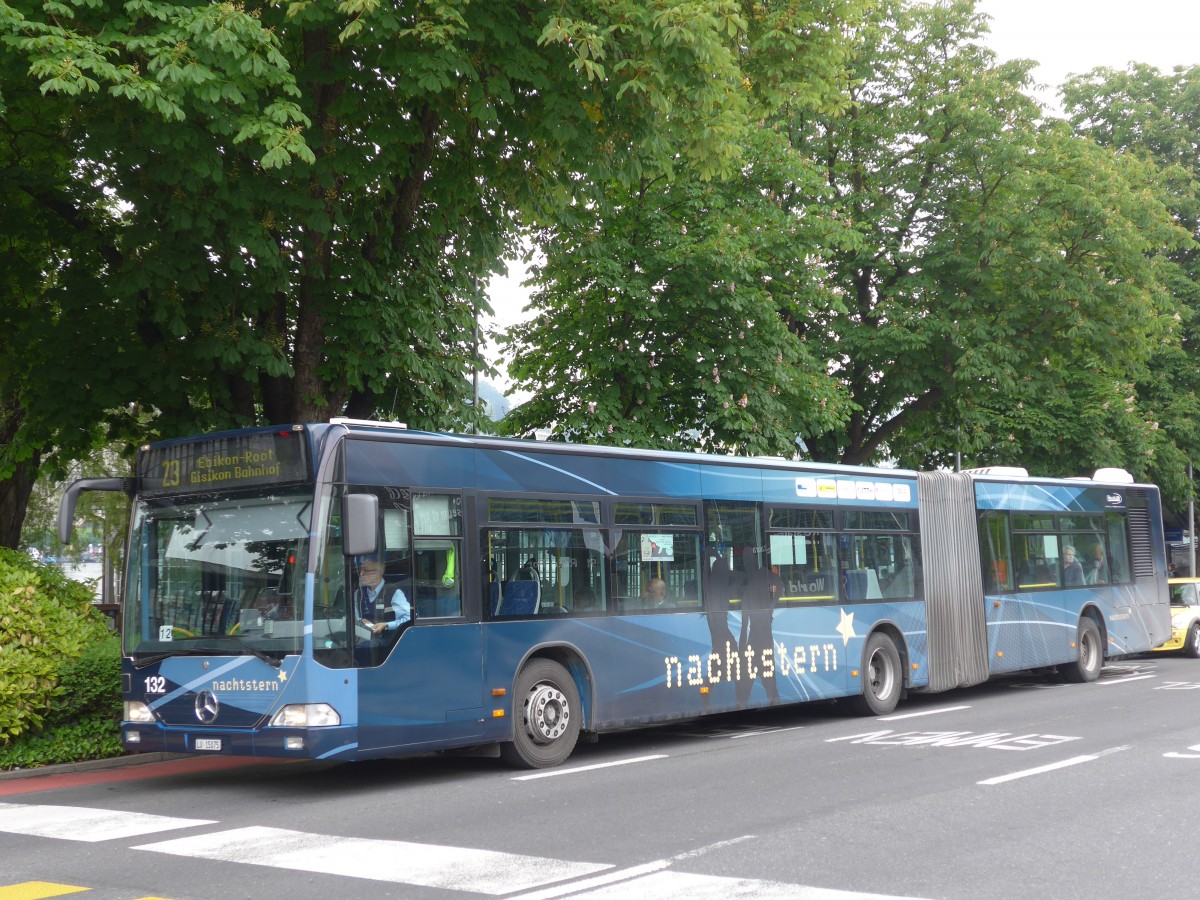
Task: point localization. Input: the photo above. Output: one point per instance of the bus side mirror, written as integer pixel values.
(360, 513)
(66, 508)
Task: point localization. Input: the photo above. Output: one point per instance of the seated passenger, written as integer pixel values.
(656, 594)
(1072, 570)
(1096, 570)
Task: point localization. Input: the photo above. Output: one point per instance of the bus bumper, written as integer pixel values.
(286, 743)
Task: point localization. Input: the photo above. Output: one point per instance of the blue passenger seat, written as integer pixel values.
(519, 598)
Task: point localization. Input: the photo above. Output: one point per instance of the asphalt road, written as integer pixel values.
(1022, 788)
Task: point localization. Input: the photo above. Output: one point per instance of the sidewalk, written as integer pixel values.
(90, 765)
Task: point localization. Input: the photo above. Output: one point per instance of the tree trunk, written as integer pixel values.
(14, 500)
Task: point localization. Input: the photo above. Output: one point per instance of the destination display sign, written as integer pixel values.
(223, 463)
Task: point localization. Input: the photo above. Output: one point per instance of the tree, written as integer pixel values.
(305, 197)
(1002, 262)
(665, 314)
(670, 308)
(79, 90)
(1155, 116)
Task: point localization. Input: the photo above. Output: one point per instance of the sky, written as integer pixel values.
(1064, 36)
(1070, 37)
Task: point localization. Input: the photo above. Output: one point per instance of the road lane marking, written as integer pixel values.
(619, 876)
(1073, 761)
(37, 890)
(1176, 755)
(992, 740)
(553, 773)
(718, 845)
(1124, 680)
(666, 884)
(765, 731)
(928, 712)
(399, 862)
(77, 823)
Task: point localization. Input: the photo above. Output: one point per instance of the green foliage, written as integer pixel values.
(84, 719)
(672, 308)
(47, 622)
(226, 214)
(931, 269)
(89, 685)
(669, 315)
(1155, 116)
(1004, 263)
(169, 59)
(89, 737)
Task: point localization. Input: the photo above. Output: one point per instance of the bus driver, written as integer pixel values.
(374, 608)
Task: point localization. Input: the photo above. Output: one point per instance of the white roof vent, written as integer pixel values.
(1116, 476)
(369, 423)
(1002, 471)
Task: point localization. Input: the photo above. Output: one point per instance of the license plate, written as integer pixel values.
(208, 743)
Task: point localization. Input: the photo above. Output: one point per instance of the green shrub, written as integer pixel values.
(89, 685)
(84, 717)
(95, 737)
(47, 625)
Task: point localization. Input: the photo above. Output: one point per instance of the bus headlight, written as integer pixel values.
(1181, 620)
(137, 711)
(306, 715)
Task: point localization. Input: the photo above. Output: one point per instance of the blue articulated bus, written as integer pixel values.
(351, 590)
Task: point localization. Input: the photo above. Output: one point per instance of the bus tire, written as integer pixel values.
(1089, 654)
(1191, 643)
(546, 716)
(881, 677)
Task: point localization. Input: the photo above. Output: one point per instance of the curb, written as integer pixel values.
(90, 765)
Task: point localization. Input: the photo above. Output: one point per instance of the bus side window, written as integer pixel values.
(437, 583)
(996, 552)
(436, 586)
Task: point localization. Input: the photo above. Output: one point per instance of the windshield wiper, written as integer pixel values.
(265, 657)
(151, 659)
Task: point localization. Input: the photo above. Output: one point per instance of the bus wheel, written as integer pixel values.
(880, 676)
(1191, 644)
(1089, 655)
(546, 712)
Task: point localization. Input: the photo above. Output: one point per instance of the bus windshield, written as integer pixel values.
(217, 574)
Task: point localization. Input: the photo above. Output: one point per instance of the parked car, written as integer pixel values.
(1185, 617)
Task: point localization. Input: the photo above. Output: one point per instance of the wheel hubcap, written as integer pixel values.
(547, 714)
(1089, 651)
(880, 674)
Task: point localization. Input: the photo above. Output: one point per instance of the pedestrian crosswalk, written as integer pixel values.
(454, 869)
(75, 823)
(402, 862)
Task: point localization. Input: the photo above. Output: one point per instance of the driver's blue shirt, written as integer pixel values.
(371, 605)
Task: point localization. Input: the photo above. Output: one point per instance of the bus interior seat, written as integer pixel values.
(216, 609)
(856, 584)
(901, 583)
(873, 592)
(519, 598)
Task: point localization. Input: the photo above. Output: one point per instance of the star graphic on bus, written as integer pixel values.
(846, 627)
